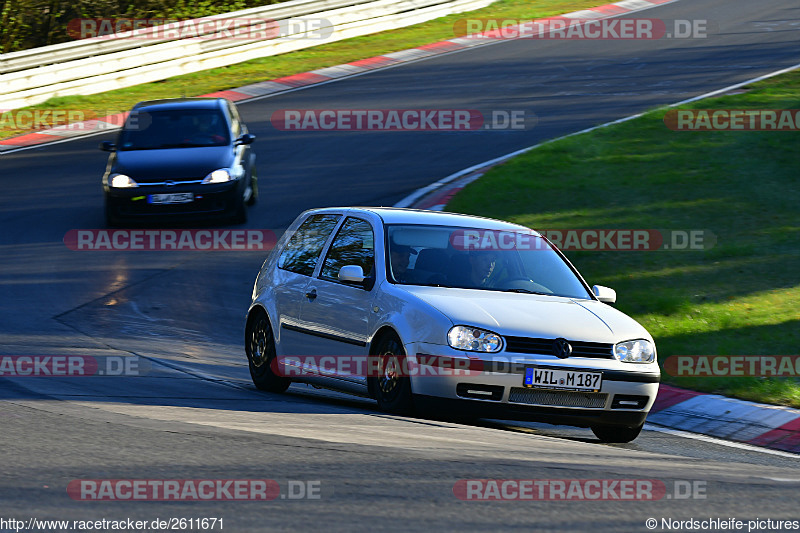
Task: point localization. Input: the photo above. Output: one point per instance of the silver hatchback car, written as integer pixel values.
(464, 315)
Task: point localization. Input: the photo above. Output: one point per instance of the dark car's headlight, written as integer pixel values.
(221, 175)
(121, 181)
(635, 351)
(474, 339)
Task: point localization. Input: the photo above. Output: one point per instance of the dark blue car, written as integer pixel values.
(180, 158)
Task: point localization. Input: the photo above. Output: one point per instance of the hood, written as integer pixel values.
(531, 315)
(173, 163)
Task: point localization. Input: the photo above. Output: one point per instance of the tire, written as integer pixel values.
(259, 344)
(616, 434)
(392, 390)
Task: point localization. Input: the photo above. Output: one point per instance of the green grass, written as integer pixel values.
(741, 297)
(325, 55)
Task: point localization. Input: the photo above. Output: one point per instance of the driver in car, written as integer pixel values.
(401, 257)
(478, 271)
(206, 131)
(482, 266)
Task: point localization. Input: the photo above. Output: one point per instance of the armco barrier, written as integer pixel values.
(91, 66)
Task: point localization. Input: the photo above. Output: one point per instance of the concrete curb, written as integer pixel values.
(325, 75)
(771, 426)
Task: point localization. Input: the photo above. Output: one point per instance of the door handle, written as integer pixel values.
(311, 294)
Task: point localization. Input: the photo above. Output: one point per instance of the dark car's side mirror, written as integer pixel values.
(247, 138)
(107, 146)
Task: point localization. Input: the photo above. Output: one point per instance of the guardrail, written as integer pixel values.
(102, 64)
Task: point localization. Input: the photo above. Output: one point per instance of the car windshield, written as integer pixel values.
(175, 128)
(470, 258)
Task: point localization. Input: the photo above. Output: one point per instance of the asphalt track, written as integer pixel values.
(196, 416)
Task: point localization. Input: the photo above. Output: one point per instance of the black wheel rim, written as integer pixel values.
(261, 348)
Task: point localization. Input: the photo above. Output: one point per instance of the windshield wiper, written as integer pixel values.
(526, 291)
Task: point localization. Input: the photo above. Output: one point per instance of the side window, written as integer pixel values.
(353, 245)
(302, 251)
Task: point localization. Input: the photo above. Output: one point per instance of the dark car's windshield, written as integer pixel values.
(506, 260)
(176, 128)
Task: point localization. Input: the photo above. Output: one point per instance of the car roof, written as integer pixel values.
(394, 215)
(181, 103)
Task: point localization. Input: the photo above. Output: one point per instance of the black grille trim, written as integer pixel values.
(594, 350)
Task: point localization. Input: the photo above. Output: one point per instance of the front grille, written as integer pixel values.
(596, 350)
(558, 398)
(175, 183)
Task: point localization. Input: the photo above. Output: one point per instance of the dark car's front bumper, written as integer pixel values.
(210, 200)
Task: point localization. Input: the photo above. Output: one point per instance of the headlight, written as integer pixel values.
(218, 176)
(121, 181)
(474, 339)
(636, 351)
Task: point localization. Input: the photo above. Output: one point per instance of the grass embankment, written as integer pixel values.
(741, 297)
(325, 55)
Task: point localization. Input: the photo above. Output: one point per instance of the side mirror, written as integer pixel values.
(107, 146)
(604, 294)
(247, 138)
(352, 273)
(355, 274)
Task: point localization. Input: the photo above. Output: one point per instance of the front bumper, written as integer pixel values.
(566, 416)
(495, 389)
(209, 200)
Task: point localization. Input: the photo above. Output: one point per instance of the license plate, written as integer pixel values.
(563, 379)
(171, 198)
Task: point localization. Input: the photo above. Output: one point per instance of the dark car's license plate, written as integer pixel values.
(562, 379)
(171, 198)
